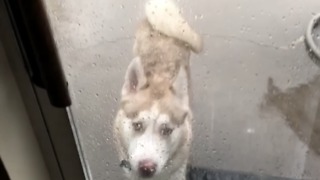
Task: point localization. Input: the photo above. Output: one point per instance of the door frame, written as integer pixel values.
(53, 125)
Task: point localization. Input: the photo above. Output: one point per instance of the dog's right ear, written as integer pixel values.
(134, 78)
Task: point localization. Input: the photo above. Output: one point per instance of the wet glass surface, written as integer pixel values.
(255, 89)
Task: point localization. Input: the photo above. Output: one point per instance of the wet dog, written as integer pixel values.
(152, 128)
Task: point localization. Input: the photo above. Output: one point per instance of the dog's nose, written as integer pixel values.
(147, 168)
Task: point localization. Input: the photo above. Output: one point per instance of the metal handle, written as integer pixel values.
(33, 30)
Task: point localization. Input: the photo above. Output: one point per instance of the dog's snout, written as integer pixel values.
(147, 168)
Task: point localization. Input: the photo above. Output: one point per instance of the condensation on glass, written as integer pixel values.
(256, 91)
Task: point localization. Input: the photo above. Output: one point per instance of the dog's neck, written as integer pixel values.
(180, 174)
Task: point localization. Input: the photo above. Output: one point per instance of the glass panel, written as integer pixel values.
(255, 88)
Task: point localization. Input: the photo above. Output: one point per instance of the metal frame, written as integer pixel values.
(52, 125)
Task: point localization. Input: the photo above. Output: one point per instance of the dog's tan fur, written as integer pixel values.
(161, 58)
(164, 60)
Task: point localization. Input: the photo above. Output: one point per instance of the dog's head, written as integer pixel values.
(153, 125)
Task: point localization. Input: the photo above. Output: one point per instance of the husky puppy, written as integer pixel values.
(152, 128)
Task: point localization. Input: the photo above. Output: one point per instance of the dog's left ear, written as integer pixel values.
(180, 87)
(134, 78)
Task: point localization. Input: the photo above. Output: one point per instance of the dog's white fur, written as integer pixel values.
(156, 94)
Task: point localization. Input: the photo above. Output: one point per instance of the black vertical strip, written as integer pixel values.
(3, 172)
(25, 44)
(38, 42)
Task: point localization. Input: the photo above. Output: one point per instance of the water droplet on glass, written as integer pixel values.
(219, 161)
(291, 10)
(288, 81)
(214, 151)
(250, 130)
(261, 171)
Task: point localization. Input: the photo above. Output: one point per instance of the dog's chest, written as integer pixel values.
(178, 175)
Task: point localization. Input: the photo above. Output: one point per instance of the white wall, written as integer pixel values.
(19, 148)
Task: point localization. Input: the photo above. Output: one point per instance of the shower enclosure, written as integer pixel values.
(256, 91)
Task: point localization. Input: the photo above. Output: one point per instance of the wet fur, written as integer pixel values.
(156, 91)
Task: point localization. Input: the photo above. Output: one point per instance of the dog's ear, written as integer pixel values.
(180, 87)
(134, 78)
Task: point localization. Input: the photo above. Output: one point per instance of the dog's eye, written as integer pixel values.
(166, 131)
(137, 126)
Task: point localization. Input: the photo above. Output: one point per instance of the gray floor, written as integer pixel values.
(255, 87)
